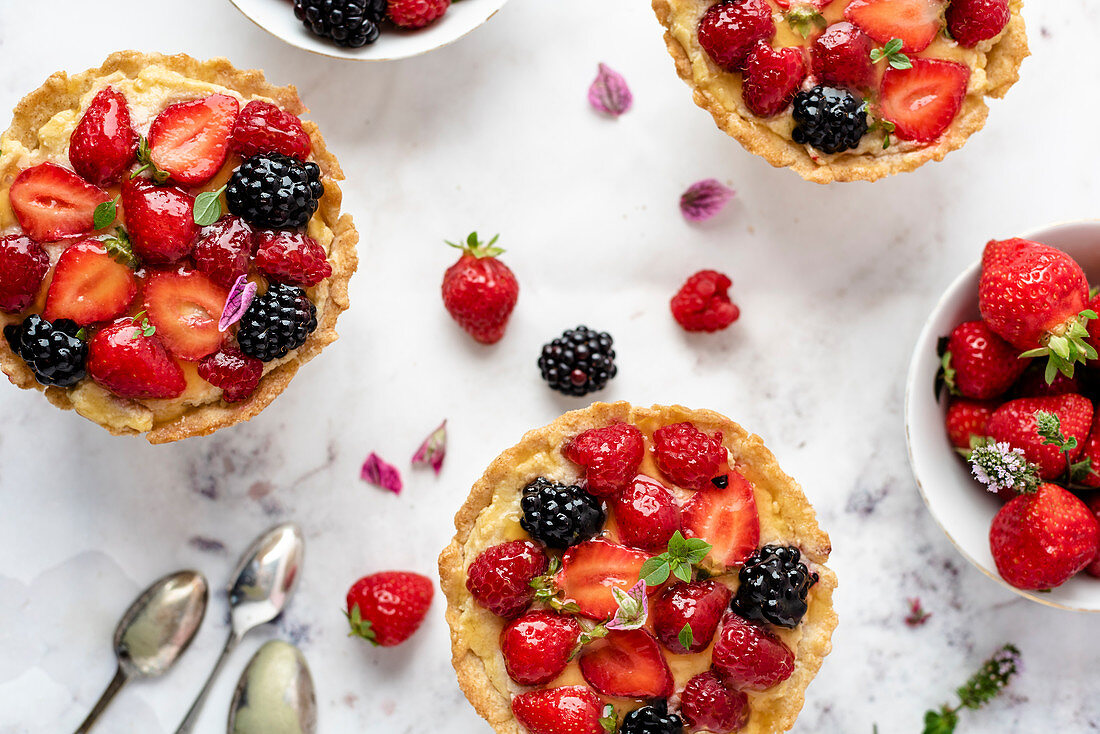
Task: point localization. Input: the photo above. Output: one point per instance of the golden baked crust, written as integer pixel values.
(1002, 70)
(63, 92)
(774, 710)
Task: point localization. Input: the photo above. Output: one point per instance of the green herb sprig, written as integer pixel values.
(891, 53)
(682, 554)
(983, 687)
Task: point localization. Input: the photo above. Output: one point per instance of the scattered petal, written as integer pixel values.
(703, 199)
(432, 451)
(633, 608)
(917, 615)
(239, 299)
(377, 472)
(609, 93)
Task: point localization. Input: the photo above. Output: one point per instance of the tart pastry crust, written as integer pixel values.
(63, 92)
(774, 710)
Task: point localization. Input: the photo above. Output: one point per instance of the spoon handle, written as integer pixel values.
(108, 695)
(193, 713)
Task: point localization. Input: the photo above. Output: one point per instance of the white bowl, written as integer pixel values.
(277, 18)
(957, 502)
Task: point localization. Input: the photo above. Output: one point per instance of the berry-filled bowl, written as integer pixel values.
(1003, 447)
(369, 30)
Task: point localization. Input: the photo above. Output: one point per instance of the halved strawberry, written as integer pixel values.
(725, 518)
(924, 100)
(89, 285)
(590, 570)
(185, 306)
(190, 140)
(52, 202)
(132, 364)
(915, 22)
(627, 663)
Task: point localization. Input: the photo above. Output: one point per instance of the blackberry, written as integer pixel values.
(54, 352)
(774, 584)
(275, 191)
(349, 23)
(580, 361)
(830, 119)
(559, 515)
(276, 322)
(652, 719)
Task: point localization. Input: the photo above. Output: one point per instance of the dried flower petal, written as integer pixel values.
(377, 472)
(239, 299)
(432, 451)
(917, 615)
(703, 199)
(633, 608)
(609, 93)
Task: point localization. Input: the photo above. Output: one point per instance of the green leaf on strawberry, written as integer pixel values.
(145, 158)
(121, 251)
(360, 627)
(805, 19)
(547, 591)
(474, 246)
(682, 554)
(1064, 350)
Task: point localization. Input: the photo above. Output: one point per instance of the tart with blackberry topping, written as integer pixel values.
(171, 244)
(642, 571)
(846, 90)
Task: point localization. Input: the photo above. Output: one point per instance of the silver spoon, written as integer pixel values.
(275, 694)
(262, 585)
(154, 632)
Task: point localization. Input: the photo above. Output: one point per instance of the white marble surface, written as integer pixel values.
(494, 133)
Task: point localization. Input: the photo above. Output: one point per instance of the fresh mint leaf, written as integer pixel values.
(208, 207)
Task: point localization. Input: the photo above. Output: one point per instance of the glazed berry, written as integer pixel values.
(276, 322)
(972, 21)
(189, 141)
(923, 101)
(646, 515)
(729, 30)
(23, 264)
(748, 657)
(703, 303)
(707, 704)
(349, 23)
(829, 119)
(53, 352)
(559, 515)
(652, 719)
(771, 78)
(773, 588)
(578, 362)
(52, 203)
(223, 250)
(293, 258)
(590, 570)
(500, 577)
(698, 606)
(233, 372)
(275, 191)
(416, 13)
(387, 608)
(537, 646)
(89, 285)
(916, 23)
(566, 710)
(160, 220)
(104, 143)
(610, 456)
(264, 128)
(842, 56)
(129, 360)
(687, 456)
(627, 664)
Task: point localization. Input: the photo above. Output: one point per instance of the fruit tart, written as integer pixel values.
(646, 571)
(844, 90)
(172, 247)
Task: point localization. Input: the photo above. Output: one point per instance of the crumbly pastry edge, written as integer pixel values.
(1002, 71)
(61, 91)
(748, 449)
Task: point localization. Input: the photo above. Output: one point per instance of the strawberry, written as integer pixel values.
(500, 577)
(750, 658)
(816, 4)
(416, 13)
(646, 515)
(89, 285)
(1041, 539)
(1033, 384)
(479, 291)
(610, 456)
(972, 21)
(129, 360)
(264, 128)
(537, 646)
(923, 101)
(708, 705)
(1091, 451)
(978, 363)
(1093, 339)
(771, 79)
(703, 303)
(567, 710)
(687, 456)
(842, 56)
(966, 418)
(235, 373)
(1093, 569)
(293, 258)
(190, 140)
(185, 306)
(689, 612)
(387, 608)
(729, 30)
(159, 219)
(23, 264)
(627, 663)
(590, 570)
(727, 519)
(52, 203)
(1037, 299)
(1015, 424)
(223, 250)
(998, 253)
(104, 144)
(915, 22)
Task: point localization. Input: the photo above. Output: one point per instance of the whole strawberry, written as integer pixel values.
(387, 608)
(610, 456)
(128, 359)
(479, 291)
(103, 143)
(1093, 569)
(979, 364)
(537, 646)
(1090, 476)
(566, 710)
(1016, 423)
(967, 418)
(1033, 384)
(416, 13)
(1040, 540)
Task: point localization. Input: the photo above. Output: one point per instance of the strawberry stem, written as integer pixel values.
(1065, 346)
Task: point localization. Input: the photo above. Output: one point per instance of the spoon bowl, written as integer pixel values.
(275, 693)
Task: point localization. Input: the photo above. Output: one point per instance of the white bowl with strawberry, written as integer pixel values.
(1001, 420)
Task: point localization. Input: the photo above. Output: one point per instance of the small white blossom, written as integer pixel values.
(999, 466)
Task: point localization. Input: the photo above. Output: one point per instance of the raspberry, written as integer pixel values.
(687, 456)
(23, 264)
(264, 128)
(706, 704)
(236, 374)
(750, 658)
(703, 303)
(416, 13)
(500, 578)
(842, 56)
(223, 249)
(772, 77)
(292, 258)
(729, 30)
(610, 456)
(972, 21)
